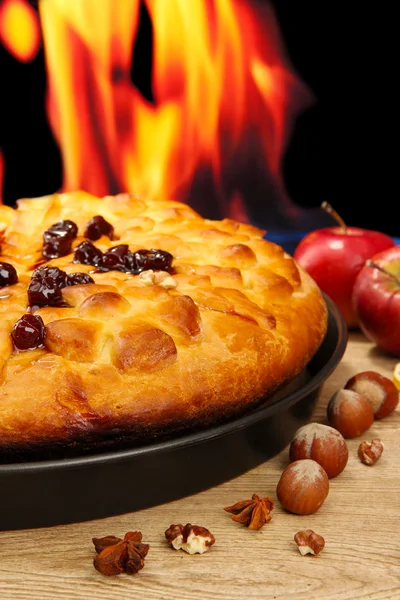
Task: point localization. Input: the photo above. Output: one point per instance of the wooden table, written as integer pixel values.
(360, 522)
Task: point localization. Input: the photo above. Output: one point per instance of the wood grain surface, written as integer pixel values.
(360, 521)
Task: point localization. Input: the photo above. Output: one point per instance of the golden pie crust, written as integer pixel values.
(136, 356)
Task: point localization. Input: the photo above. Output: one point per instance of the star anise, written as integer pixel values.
(254, 513)
(117, 556)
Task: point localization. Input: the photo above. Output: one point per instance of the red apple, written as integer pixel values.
(333, 256)
(376, 299)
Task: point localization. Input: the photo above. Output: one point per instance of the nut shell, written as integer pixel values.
(380, 391)
(323, 444)
(303, 487)
(350, 413)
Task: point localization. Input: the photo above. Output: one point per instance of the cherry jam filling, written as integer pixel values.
(59, 276)
(87, 254)
(116, 259)
(44, 292)
(97, 227)
(8, 274)
(47, 282)
(120, 258)
(158, 260)
(57, 239)
(28, 333)
(79, 279)
(68, 226)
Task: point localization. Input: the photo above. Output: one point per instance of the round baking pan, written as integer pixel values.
(55, 492)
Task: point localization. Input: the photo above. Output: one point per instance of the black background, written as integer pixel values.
(340, 150)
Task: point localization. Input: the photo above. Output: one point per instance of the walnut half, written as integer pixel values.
(370, 452)
(150, 277)
(309, 542)
(190, 538)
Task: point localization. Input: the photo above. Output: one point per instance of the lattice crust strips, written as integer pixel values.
(141, 354)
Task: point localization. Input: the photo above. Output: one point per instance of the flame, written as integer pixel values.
(220, 80)
(1, 176)
(19, 29)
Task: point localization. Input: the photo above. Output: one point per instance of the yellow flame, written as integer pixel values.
(19, 29)
(219, 78)
(1, 176)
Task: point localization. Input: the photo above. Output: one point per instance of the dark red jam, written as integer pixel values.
(97, 227)
(44, 292)
(57, 239)
(116, 259)
(87, 254)
(79, 279)
(58, 275)
(28, 333)
(158, 260)
(47, 282)
(8, 274)
(120, 258)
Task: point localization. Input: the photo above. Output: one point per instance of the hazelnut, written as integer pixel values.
(309, 542)
(302, 487)
(323, 444)
(370, 452)
(350, 413)
(380, 391)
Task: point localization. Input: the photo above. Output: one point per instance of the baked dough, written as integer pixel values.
(131, 357)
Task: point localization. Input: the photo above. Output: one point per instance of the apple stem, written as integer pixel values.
(374, 265)
(331, 211)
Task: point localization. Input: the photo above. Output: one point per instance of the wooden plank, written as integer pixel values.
(359, 521)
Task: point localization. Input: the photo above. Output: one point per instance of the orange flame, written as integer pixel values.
(220, 78)
(19, 29)
(1, 176)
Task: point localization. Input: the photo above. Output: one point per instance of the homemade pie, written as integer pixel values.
(122, 319)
